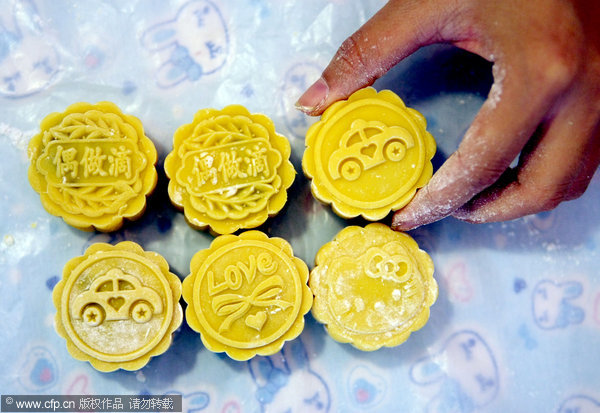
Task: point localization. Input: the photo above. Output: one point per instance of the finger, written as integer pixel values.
(514, 108)
(393, 33)
(557, 166)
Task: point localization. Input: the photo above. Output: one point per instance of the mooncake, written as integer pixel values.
(93, 166)
(368, 155)
(372, 286)
(117, 306)
(229, 170)
(247, 295)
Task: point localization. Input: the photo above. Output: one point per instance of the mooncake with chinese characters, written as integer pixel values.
(93, 166)
(229, 170)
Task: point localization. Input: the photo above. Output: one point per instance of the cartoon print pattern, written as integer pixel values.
(28, 61)
(192, 402)
(460, 288)
(552, 304)
(195, 43)
(580, 403)
(559, 298)
(39, 371)
(286, 382)
(365, 387)
(469, 378)
(198, 401)
(79, 386)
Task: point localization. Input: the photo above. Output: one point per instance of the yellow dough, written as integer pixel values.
(368, 155)
(117, 306)
(229, 170)
(93, 166)
(372, 287)
(247, 295)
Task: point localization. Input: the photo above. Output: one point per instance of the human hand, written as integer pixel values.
(544, 103)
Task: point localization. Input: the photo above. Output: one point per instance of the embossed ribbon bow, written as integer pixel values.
(235, 306)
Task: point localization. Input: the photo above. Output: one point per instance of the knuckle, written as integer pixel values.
(549, 202)
(577, 188)
(352, 53)
(548, 195)
(544, 197)
(560, 66)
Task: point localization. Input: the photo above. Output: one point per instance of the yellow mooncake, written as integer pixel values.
(372, 287)
(368, 154)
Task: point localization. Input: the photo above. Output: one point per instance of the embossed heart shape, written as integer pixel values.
(369, 150)
(256, 321)
(116, 302)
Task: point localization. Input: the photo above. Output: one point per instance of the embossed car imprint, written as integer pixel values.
(116, 296)
(366, 145)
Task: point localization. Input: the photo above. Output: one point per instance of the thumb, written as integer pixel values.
(393, 33)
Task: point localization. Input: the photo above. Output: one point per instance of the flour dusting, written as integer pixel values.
(495, 94)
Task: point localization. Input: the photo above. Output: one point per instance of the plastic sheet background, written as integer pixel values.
(517, 323)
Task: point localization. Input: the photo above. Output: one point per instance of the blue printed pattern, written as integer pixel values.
(540, 299)
(580, 404)
(528, 340)
(552, 304)
(366, 388)
(197, 42)
(192, 402)
(468, 379)
(39, 371)
(286, 383)
(28, 62)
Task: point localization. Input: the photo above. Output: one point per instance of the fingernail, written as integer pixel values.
(314, 97)
(409, 217)
(401, 223)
